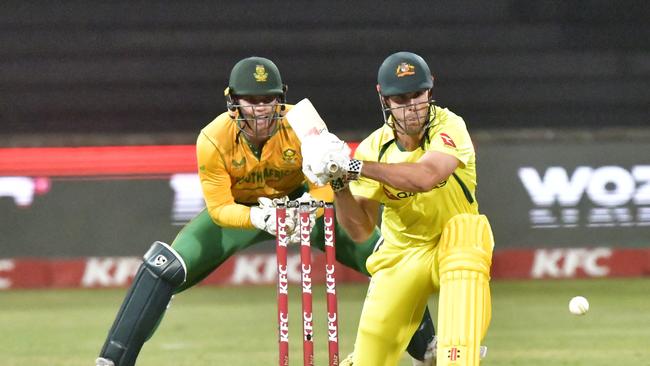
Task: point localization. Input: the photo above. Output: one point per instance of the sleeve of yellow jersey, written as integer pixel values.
(215, 182)
(365, 187)
(453, 139)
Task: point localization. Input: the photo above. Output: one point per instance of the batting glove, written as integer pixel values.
(351, 172)
(324, 158)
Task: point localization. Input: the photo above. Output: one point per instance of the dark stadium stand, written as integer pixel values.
(147, 66)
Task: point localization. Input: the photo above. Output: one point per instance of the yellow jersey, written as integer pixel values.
(233, 175)
(417, 219)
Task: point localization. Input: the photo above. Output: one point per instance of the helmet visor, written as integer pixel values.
(258, 117)
(409, 117)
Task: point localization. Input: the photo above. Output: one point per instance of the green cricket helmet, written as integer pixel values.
(403, 73)
(259, 77)
(255, 76)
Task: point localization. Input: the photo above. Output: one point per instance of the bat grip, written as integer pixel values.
(332, 167)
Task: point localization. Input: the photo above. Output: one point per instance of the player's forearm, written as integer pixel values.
(351, 216)
(232, 216)
(409, 177)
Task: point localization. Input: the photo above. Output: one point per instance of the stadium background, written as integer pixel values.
(100, 103)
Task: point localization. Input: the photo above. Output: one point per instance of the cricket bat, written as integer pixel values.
(305, 121)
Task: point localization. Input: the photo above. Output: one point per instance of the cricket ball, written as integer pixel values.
(578, 305)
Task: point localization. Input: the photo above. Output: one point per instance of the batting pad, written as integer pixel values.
(464, 308)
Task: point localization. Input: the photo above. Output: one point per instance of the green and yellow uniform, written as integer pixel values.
(406, 269)
(233, 176)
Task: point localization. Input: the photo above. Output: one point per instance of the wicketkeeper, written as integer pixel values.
(421, 166)
(247, 157)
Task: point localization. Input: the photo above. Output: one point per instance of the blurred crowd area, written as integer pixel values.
(153, 72)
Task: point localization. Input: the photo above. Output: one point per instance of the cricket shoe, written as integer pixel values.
(101, 361)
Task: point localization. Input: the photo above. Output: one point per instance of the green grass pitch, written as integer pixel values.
(531, 325)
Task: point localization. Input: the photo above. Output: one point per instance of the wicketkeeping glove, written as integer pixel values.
(263, 216)
(295, 235)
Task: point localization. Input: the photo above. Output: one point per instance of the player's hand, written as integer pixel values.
(295, 235)
(324, 157)
(263, 216)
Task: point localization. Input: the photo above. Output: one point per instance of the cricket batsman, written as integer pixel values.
(421, 166)
(247, 157)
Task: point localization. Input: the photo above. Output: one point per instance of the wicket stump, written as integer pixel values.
(282, 240)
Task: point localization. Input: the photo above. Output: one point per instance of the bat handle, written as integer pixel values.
(332, 167)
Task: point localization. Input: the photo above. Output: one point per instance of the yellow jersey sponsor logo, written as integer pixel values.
(397, 195)
(447, 140)
(260, 74)
(404, 69)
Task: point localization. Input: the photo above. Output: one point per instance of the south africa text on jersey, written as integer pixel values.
(267, 174)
